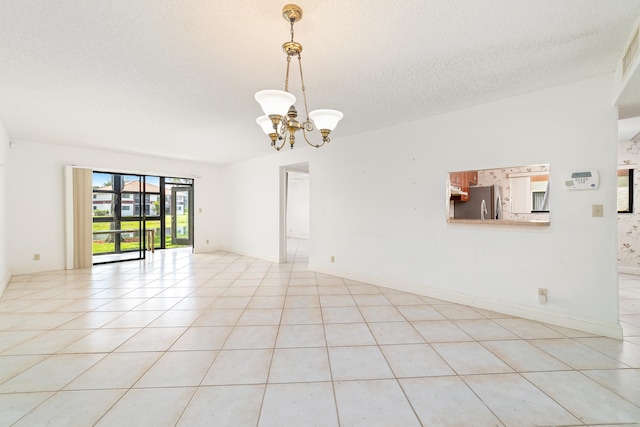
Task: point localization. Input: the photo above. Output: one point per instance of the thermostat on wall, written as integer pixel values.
(587, 180)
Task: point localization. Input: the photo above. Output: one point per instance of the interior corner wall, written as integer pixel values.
(254, 199)
(377, 204)
(629, 223)
(5, 270)
(37, 198)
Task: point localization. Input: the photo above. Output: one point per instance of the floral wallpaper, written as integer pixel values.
(629, 223)
(500, 178)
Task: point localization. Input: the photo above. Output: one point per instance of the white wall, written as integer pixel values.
(36, 198)
(378, 205)
(5, 270)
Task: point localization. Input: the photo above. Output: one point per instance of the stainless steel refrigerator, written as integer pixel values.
(474, 207)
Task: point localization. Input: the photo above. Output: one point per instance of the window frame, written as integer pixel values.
(630, 172)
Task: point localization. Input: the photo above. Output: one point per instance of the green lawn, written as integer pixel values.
(100, 246)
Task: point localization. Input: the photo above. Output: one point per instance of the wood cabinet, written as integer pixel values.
(473, 177)
(463, 180)
(455, 179)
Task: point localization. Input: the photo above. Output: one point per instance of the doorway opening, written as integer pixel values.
(294, 213)
(628, 192)
(133, 214)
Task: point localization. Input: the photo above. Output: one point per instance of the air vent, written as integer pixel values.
(630, 54)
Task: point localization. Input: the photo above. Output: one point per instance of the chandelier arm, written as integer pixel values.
(304, 133)
(279, 132)
(283, 139)
(278, 148)
(282, 131)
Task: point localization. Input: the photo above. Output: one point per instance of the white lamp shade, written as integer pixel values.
(266, 124)
(275, 102)
(325, 119)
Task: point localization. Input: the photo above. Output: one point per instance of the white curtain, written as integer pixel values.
(520, 194)
(79, 217)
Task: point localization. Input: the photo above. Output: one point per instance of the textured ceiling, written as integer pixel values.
(177, 78)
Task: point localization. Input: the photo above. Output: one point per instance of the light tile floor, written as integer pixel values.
(225, 340)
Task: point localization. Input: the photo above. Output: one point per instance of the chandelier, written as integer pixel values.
(279, 121)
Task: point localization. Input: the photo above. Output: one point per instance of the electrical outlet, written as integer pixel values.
(36, 257)
(542, 295)
(597, 211)
(333, 259)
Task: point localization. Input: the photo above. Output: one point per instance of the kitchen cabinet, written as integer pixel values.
(473, 177)
(462, 180)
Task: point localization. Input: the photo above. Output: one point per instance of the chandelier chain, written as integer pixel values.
(286, 77)
(304, 92)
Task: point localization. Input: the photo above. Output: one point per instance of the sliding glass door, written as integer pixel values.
(137, 213)
(118, 217)
(181, 217)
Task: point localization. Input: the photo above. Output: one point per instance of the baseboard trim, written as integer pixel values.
(592, 326)
(199, 250)
(38, 269)
(298, 236)
(253, 255)
(629, 270)
(5, 281)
